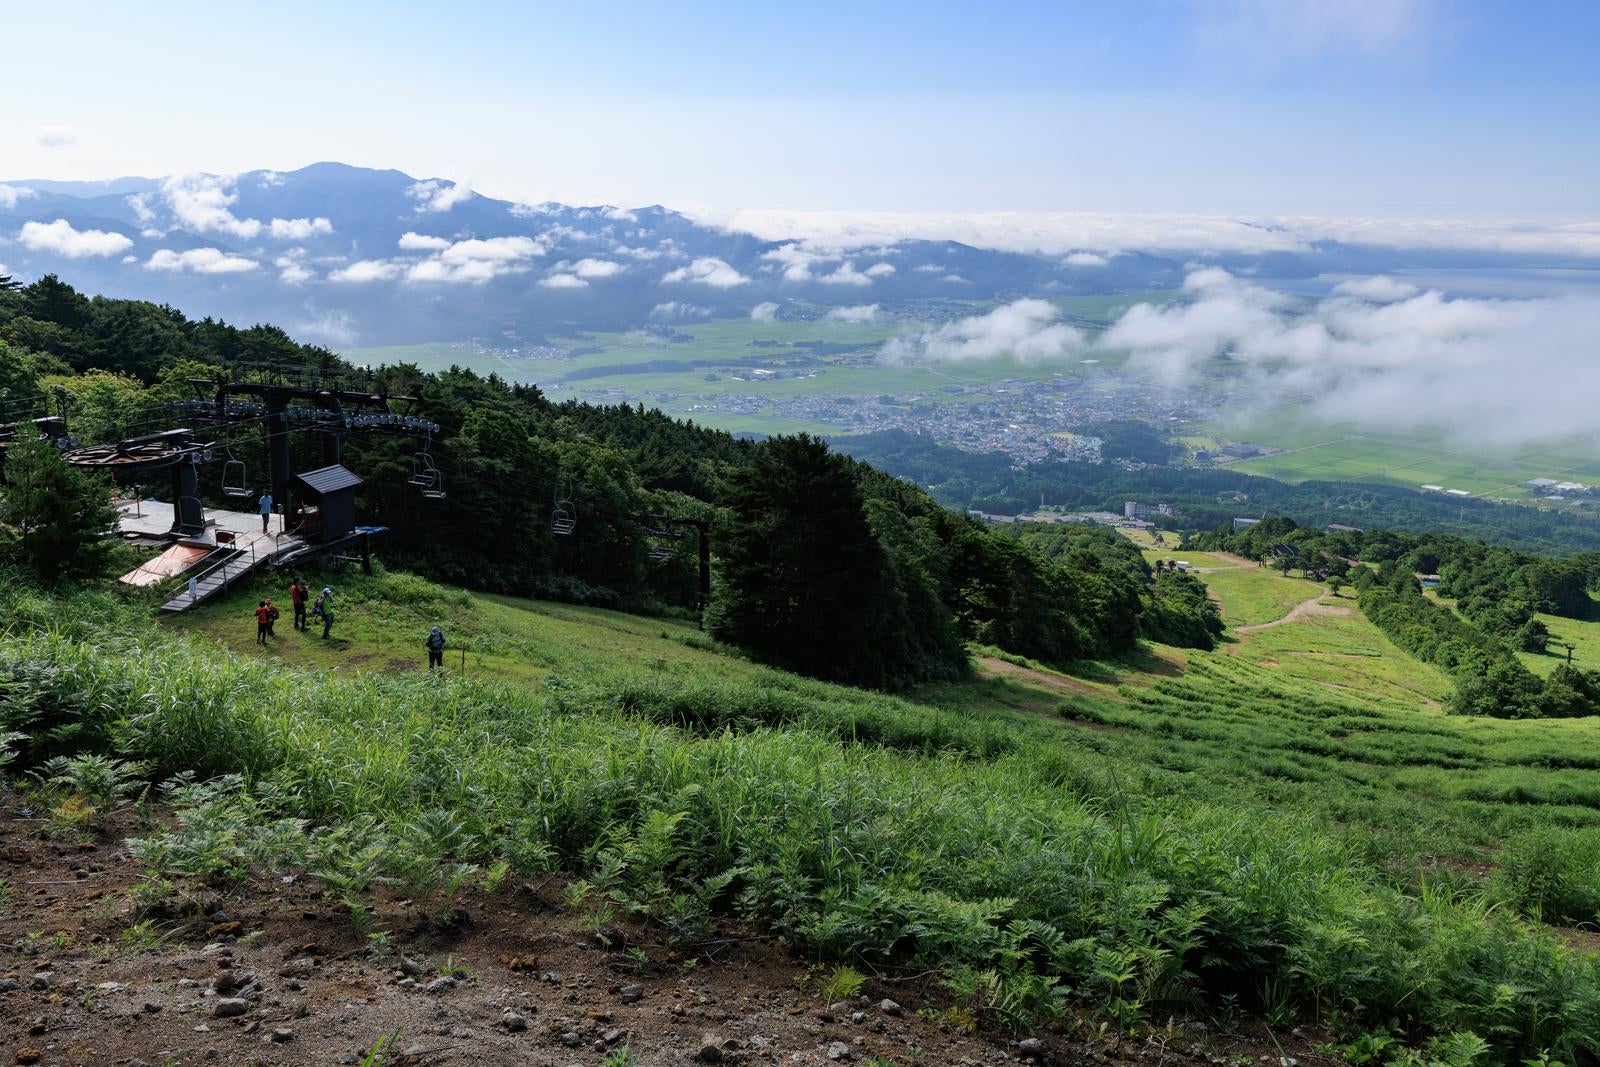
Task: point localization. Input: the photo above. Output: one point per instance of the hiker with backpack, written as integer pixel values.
(435, 645)
(324, 609)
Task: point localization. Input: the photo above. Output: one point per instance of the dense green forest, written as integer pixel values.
(814, 552)
(989, 482)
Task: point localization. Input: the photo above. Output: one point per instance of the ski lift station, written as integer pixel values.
(313, 512)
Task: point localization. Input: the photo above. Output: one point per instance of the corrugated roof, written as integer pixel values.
(326, 480)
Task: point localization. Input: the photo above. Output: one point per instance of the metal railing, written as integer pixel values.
(191, 582)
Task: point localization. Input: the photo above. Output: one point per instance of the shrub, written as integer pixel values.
(1553, 873)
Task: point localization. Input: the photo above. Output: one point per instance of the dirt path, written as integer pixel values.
(1304, 610)
(1056, 683)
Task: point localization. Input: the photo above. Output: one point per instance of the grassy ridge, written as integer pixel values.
(1135, 873)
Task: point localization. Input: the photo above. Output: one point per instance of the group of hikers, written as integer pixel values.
(299, 593)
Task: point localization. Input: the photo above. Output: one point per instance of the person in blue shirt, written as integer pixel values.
(266, 510)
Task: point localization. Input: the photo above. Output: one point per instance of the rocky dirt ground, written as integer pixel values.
(274, 975)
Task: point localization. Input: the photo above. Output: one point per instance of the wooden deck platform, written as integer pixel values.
(153, 518)
(248, 548)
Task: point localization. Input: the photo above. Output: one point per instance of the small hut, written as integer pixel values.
(326, 499)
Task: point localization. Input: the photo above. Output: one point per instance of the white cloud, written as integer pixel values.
(707, 270)
(621, 214)
(845, 274)
(955, 279)
(437, 270)
(879, 270)
(474, 260)
(417, 242)
(563, 281)
(1380, 289)
(1061, 233)
(200, 261)
(1086, 259)
(10, 194)
(1497, 371)
(766, 311)
(271, 179)
(858, 313)
(54, 136)
(492, 249)
(201, 202)
(367, 270)
(563, 232)
(796, 261)
(929, 268)
(1022, 329)
(596, 268)
(336, 328)
(641, 253)
(290, 270)
(60, 238)
(142, 212)
(299, 229)
(435, 195)
(678, 311)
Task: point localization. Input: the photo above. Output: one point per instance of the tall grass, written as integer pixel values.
(1037, 867)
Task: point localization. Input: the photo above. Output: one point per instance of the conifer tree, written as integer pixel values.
(803, 582)
(53, 517)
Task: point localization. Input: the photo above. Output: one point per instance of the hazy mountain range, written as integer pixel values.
(352, 256)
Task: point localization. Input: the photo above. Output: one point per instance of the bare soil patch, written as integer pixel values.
(273, 974)
(1304, 610)
(1056, 683)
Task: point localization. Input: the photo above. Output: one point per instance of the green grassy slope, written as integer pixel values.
(1287, 819)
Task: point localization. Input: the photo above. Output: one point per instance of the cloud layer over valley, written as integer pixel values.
(1372, 320)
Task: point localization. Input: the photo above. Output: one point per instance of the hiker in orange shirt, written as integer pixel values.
(263, 622)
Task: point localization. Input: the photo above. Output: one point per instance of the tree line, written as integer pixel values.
(823, 564)
(1204, 498)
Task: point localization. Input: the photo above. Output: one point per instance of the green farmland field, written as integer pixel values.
(724, 362)
(1350, 453)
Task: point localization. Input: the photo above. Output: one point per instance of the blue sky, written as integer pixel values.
(1402, 108)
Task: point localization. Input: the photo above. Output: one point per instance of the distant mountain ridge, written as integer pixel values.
(348, 256)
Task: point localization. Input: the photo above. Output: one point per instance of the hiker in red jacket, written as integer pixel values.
(297, 597)
(263, 622)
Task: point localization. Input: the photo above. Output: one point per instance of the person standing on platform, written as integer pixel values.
(266, 509)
